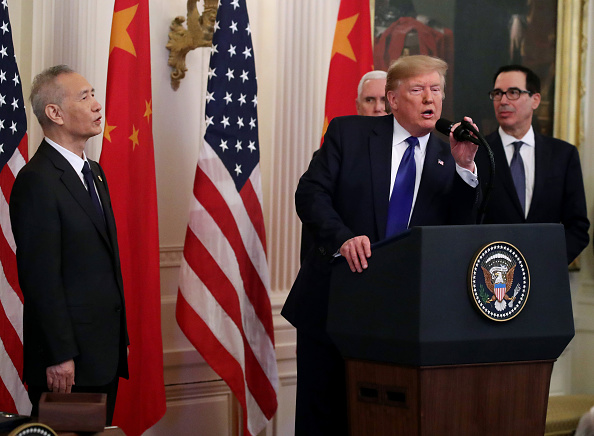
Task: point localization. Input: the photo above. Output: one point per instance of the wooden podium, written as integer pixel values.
(423, 360)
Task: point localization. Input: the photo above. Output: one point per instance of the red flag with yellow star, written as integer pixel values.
(352, 56)
(128, 160)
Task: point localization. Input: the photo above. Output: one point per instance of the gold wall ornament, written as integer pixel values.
(182, 40)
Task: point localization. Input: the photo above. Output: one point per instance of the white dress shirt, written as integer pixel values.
(74, 160)
(399, 146)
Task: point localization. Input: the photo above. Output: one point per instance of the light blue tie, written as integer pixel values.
(518, 174)
(403, 191)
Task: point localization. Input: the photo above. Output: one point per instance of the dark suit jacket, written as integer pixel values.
(558, 195)
(69, 272)
(345, 193)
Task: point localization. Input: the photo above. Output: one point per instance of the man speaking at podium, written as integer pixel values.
(373, 178)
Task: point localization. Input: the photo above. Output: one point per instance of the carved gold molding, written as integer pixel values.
(572, 42)
(182, 40)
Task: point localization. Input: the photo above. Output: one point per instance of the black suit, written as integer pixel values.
(558, 195)
(69, 272)
(345, 193)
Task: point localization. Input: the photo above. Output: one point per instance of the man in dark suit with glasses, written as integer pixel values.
(538, 179)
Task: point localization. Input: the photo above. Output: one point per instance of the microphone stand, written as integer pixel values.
(480, 141)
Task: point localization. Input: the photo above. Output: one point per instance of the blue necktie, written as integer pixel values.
(403, 191)
(518, 175)
(88, 175)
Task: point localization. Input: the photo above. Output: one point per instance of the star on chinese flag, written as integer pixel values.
(127, 158)
(351, 57)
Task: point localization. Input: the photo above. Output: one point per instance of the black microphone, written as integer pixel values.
(461, 133)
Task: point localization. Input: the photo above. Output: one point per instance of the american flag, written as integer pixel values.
(223, 306)
(13, 156)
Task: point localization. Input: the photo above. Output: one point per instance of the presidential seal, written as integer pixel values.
(499, 281)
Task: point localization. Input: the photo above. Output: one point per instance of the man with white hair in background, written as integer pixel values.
(371, 94)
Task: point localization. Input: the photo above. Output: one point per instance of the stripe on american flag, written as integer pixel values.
(13, 156)
(223, 304)
(222, 300)
(13, 395)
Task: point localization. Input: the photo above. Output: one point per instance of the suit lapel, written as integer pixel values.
(101, 185)
(503, 173)
(380, 155)
(542, 160)
(75, 186)
(103, 191)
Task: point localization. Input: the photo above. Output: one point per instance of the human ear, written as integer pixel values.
(54, 113)
(392, 100)
(535, 101)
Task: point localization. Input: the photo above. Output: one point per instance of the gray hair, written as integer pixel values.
(371, 75)
(46, 91)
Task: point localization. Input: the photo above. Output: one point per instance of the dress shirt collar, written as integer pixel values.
(506, 139)
(74, 160)
(400, 135)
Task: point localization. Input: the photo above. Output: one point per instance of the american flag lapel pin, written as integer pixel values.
(439, 161)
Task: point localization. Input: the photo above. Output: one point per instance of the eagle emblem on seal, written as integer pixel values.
(499, 281)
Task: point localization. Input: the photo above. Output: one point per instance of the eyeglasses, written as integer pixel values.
(511, 93)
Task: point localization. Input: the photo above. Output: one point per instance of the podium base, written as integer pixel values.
(480, 399)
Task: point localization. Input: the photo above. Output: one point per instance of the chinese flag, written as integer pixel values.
(352, 56)
(128, 160)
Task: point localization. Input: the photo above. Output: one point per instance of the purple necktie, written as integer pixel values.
(403, 191)
(518, 174)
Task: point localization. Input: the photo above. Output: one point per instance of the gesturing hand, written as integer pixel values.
(463, 151)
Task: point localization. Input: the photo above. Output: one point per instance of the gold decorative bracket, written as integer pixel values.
(182, 40)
